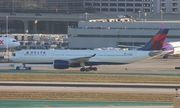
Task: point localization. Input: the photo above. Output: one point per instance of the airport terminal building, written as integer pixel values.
(55, 16)
(112, 34)
(31, 17)
(41, 6)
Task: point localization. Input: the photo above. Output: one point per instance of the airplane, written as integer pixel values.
(174, 46)
(8, 42)
(63, 59)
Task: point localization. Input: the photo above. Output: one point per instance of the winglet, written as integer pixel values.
(156, 43)
(93, 55)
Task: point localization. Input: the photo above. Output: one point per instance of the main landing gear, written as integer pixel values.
(165, 56)
(82, 64)
(88, 69)
(26, 68)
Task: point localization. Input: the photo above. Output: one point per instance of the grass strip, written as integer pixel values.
(86, 96)
(90, 78)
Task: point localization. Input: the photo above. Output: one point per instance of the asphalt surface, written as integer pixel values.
(156, 66)
(90, 85)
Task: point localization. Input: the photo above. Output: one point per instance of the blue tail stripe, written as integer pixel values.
(163, 31)
(156, 43)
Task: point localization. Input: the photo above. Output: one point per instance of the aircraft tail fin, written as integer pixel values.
(157, 41)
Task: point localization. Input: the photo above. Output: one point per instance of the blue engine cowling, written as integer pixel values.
(60, 64)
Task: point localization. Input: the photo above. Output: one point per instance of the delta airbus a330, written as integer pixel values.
(63, 59)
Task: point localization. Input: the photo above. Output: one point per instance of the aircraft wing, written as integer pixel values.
(127, 46)
(159, 52)
(166, 51)
(176, 47)
(82, 59)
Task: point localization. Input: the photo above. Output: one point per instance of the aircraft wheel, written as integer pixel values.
(90, 68)
(165, 56)
(87, 69)
(94, 68)
(29, 68)
(17, 68)
(82, 69)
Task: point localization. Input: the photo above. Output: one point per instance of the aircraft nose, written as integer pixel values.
(11, 58)
(18, 44)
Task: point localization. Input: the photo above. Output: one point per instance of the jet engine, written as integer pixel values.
(60, 64)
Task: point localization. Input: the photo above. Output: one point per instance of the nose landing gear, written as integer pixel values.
(26, 68)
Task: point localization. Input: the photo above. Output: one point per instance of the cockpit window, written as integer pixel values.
(14, 41)
(14, 54)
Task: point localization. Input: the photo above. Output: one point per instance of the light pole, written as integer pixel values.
(7, 34)
(145, 15)
(13, 6)
(161, 14)
(139, 14)
(35, 26)
(35, 21)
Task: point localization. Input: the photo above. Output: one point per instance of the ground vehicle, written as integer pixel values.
(17, 67)
(120, 16)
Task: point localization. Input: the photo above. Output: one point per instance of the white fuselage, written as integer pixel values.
(7, 42)
(102, 56)
(176, 46)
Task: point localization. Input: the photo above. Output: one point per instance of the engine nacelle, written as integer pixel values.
(60, 64)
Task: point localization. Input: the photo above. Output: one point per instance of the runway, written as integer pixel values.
(88, 87)
(149, 67)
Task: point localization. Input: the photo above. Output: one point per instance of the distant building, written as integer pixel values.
(81, 6)
(98, 34)
(168, 6)
(141, 6)
(42, 6)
